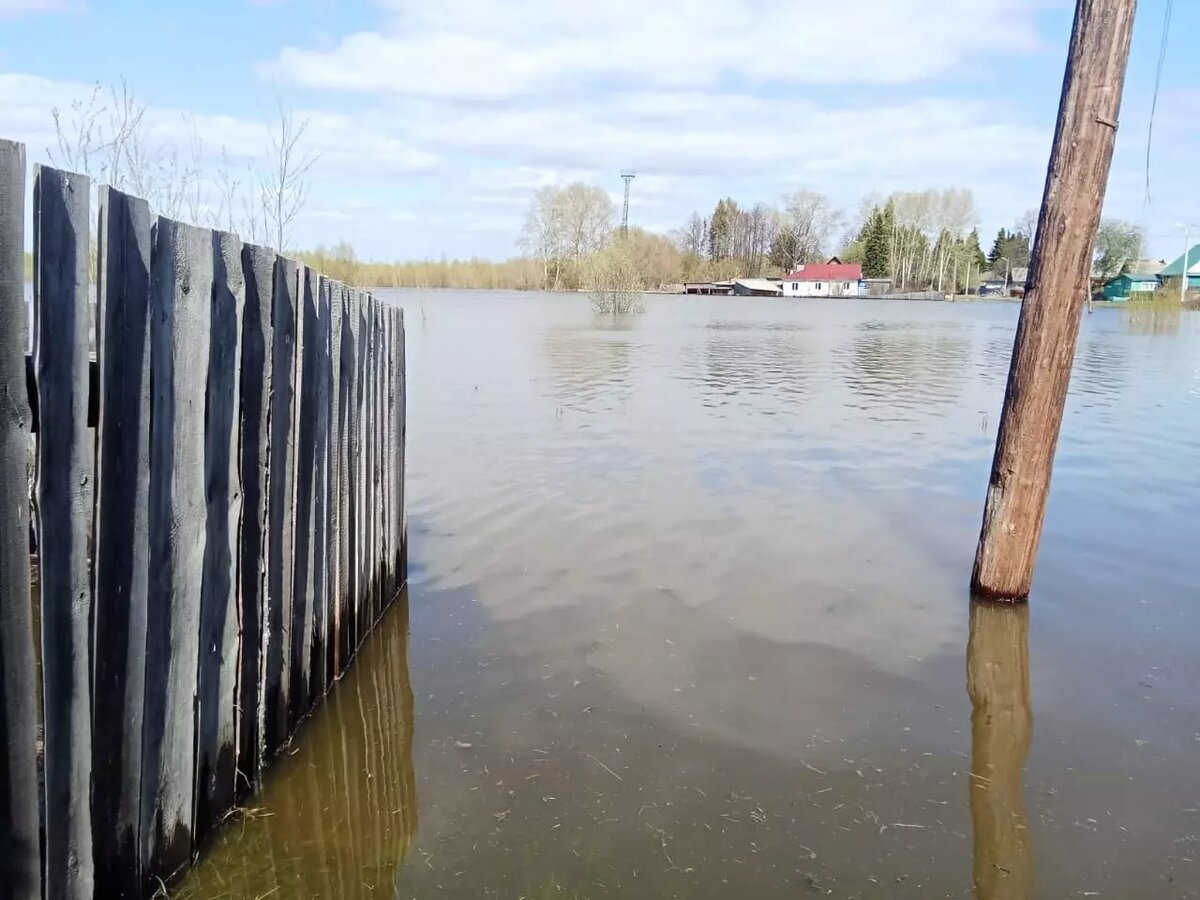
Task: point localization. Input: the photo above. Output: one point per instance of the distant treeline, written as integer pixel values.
(341, 263)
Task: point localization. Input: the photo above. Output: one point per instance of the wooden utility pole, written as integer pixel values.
(1059, 282)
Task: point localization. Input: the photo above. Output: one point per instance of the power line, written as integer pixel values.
(1162, 58)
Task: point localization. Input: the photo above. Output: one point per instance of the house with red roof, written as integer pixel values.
(831, 279)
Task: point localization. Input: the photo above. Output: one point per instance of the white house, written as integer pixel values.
(833, 279)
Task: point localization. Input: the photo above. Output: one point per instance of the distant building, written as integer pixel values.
(833, 279)
(756, 287)
(991, 284)
(1127, 283)
(1174, 271)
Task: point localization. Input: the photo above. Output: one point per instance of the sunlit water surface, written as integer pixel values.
(688, 618)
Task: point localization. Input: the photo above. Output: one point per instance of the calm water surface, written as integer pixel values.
(687, 617)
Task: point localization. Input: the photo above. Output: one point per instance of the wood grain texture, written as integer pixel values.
(20, 863)
(319, 591)
(64, 502)
(358, 331)
(347, 506)
(305, 477)
(180, 329)
(258, 266)
(403, 562)
(373, 462)
(336, 511)
(280, 514)
(1059, 279)
(121, 541)
(216, 736)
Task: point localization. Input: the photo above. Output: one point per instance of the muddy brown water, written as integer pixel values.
(687, 617)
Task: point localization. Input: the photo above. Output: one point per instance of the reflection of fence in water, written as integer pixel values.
(337, 818)
(1001, 732)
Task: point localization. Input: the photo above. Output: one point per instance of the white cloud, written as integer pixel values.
(485, 49)
(14, 8)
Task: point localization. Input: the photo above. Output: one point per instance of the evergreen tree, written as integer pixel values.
(720, 229)
(974, 252)
(998, 248)
(876, 245)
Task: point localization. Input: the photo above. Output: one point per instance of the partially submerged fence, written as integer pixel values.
(211, 554)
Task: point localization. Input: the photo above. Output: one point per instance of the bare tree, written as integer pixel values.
(1027, 224)
(693, 236)
(542, 234)
(565, 225)
(228, 186)
(285, 183)
(809, 220)
(79, 135)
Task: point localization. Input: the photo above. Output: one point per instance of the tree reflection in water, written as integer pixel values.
(1001, 732)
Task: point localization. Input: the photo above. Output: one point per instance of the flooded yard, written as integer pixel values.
(687, 617)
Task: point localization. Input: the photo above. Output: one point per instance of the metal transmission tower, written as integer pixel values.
(628, 177)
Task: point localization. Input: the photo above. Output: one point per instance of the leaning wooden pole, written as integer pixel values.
(1058, 285)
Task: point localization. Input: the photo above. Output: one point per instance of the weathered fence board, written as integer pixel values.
(401, 438)
(180, 326)
(64, 510)
(20, 869)
(258, 265)
(362, 457)
(346, 504)
(302, 561)
(319, 569)
(217, 674)
(121, 540)
(280, 518)
(333, 654)
(372, 462)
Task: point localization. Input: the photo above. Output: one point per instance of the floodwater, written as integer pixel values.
(688, 617)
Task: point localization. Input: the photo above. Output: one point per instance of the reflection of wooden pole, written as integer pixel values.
(1058, 281)
(1001, 730)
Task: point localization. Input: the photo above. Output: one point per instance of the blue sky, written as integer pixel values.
(435, 122)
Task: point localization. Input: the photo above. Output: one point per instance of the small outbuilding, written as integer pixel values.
(756, 287)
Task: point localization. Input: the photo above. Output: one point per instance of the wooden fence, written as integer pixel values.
(212, 547)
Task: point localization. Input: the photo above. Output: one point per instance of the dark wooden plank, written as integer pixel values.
(335, 516)
(258, 266)
(402, 442)
(64, 504)
(216, 734)
(319, 592)
(354, 525)
(302, 562)
(121, 541)
(20, 863)
(180, 325)
(364, 471)
(93, 410)
(280, 512)
(389, 456)
(372, 503)
(346, 501)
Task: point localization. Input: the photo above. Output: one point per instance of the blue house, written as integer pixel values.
(1175, 270)
(1127, 283)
